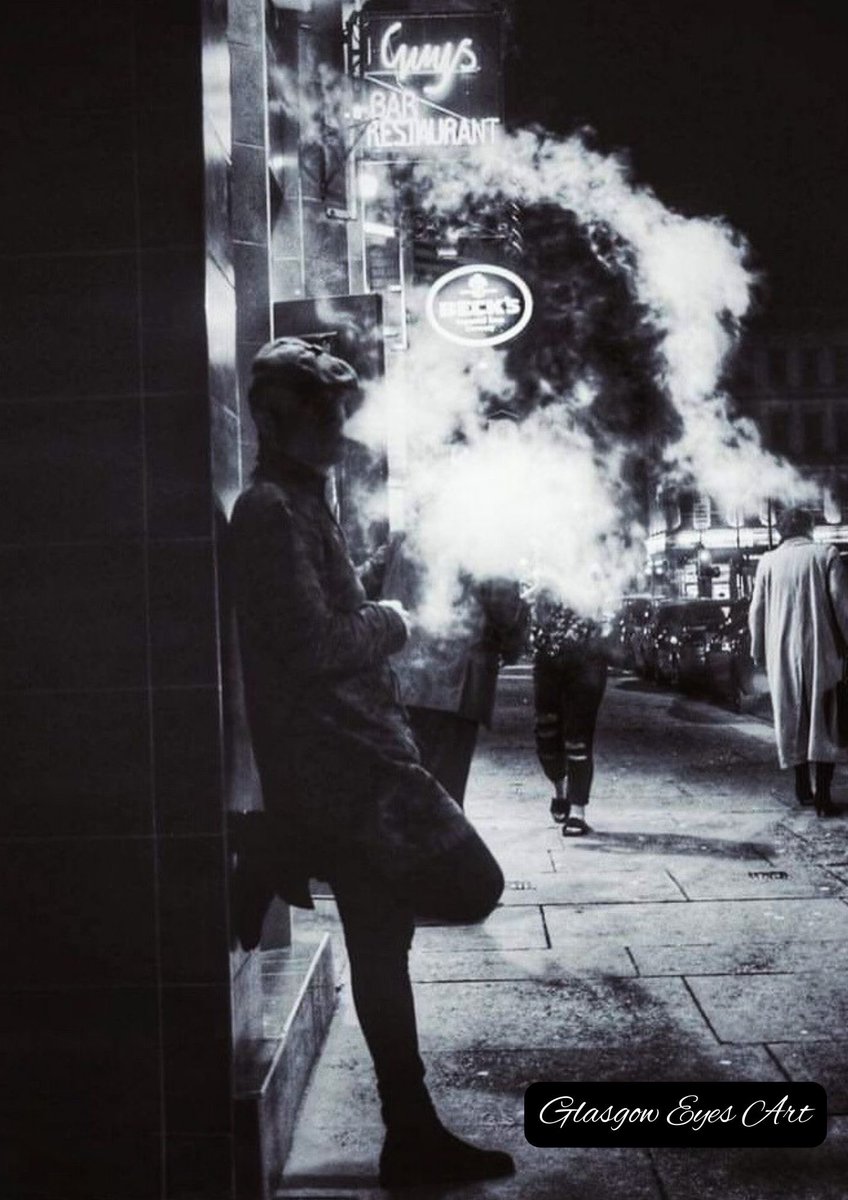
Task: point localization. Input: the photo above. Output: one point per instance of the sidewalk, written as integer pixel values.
(701, 933)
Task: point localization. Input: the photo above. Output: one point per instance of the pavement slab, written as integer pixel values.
(766, 1174)
(508, 928)
(541, 966)
(825, 1062)
(707, 922)
(775, 1008)
(739, 958)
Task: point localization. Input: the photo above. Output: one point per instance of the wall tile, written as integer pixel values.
(177, 438)
(217, 184)
(173, 319)
(70, 326)
(250, 206)
(44, 1165)
(182, 614)
(73, 617)
(74, 1042)
(198, 1168)
(170, 167)
(186, 724)
(76, 763)
(221, 335)
(193, 907)
(252, 314)
(226, 474)
(71, 470)
(69, 57)
(248, 95)
(78, 910)
(246, 23)
(196, 1041)
(168, 52)
(41, 213)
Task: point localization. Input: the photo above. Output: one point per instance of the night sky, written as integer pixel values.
(729, 109)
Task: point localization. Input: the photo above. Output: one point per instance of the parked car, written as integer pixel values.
(683, 641)
(641, 638)
(729, 666)
(633, 614)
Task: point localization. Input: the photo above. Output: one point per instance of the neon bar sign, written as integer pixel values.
(431, 81)
(440, 62)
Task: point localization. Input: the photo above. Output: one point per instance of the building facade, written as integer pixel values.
(791, 379)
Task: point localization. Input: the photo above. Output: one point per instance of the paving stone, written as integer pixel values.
(750, 879)
(707, 921)
(592, 1010)
(775, 1008)
(765, 1174)
(584, 958)
(824, 1062)
(506, 929)
(739, 958)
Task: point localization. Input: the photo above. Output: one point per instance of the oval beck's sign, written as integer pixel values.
(479, 305)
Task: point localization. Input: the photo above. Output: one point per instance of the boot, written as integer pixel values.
(419, 1150)
(412, 1157)
(824, 777)
(803, 788)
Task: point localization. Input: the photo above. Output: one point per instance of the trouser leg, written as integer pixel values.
(585, 693)
(824, 777)
(548, 729)
(378, 932)
(803, 787)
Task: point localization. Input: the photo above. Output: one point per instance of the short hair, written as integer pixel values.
(795, 521)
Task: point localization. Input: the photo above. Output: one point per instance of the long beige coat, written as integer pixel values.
(799, 624)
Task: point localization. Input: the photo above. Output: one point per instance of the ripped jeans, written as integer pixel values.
(567, 693)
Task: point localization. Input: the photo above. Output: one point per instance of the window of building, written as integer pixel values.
(810, 367)
(778, 433)
(777, 367)
(814, 433)
(840, 420)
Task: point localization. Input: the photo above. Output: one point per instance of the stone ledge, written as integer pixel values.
(271, 1073)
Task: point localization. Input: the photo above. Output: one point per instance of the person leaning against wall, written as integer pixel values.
(346, 797)
(799, 630)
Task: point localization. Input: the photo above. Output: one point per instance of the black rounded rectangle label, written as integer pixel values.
(675, 1114)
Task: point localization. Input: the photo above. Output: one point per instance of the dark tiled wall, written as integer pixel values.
(115, 1010)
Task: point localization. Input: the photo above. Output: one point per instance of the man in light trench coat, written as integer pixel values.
(799, 630)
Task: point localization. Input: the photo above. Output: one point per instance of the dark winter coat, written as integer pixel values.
(336, 758)
(458, 671)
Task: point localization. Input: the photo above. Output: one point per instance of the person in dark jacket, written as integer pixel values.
(569, 679)
(448, 680)
(346, 797)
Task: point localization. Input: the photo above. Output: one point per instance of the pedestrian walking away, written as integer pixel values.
(346, 797)
(570, 666)
(799, 629)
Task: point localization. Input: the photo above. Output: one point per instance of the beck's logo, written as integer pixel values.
(479, 305)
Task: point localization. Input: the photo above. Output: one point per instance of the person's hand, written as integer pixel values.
(404, 613)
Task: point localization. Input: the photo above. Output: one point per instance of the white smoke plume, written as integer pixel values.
(543, 500)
